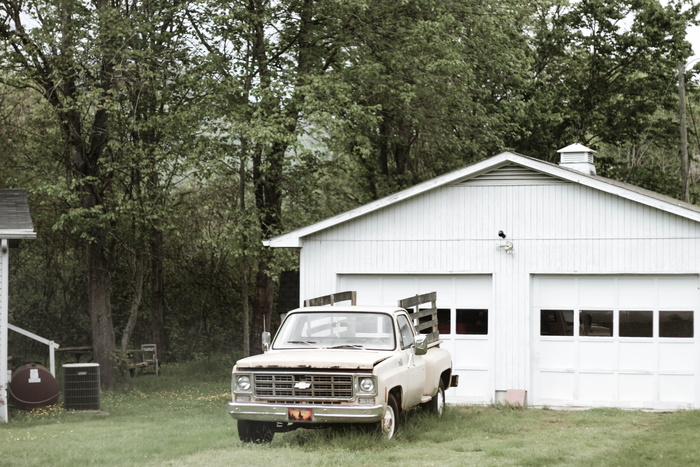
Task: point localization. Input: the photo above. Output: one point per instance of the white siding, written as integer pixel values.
(554, 227)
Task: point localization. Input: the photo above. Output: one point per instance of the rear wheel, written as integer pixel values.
(256, 432)
(436, 405)
(389, 424)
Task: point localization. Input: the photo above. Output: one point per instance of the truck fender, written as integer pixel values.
(438, 366)
(390, 381)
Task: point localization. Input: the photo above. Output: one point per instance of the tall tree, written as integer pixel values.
(429, 86)
(603, 72)
(159, 117)
(265, 54)
(81, 57)
(44, 45)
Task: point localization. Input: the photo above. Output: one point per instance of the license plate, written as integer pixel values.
(300, 415)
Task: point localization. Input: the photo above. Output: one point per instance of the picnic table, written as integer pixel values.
(77, 352)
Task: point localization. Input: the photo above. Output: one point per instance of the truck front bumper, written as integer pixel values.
(275, 412)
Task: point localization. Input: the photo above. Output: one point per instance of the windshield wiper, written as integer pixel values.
(302, 342)
(348, 346)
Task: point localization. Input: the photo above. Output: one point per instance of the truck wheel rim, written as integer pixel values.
(388, 423)
(440, 402)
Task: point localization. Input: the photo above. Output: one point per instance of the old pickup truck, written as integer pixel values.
(342, 365)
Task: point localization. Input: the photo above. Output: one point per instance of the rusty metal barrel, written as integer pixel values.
(33, 386)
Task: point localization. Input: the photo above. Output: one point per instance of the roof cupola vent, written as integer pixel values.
(577, 157)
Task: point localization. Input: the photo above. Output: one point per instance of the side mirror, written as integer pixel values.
(421, 344)
(266, 339)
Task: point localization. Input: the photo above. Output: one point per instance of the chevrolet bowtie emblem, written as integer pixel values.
(302, 385)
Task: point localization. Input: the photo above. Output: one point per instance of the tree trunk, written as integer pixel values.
(268, 161)
(245, 308)
(263, 305)
(685, 164)
(100, 310)
(159, 335)
(135, 304)
(245, 316)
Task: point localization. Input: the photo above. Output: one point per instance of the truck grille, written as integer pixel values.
(303, 386)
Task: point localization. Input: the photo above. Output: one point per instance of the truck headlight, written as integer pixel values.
(366, 385)
(243, 383)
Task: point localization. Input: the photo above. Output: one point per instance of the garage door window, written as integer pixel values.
(676, 324)
(472, 321)
(630, 323)
(444, 320)
(636, 323)
(595, 323)
(557, 322)
(467, 321)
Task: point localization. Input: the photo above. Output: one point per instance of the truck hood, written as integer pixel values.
(326, 359)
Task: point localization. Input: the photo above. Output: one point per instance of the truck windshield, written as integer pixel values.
(341, 330)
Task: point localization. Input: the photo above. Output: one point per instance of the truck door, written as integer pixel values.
(414, 364)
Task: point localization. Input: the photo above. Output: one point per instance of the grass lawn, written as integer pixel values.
(180, 419)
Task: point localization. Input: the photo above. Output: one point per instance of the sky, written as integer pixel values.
(694, 38)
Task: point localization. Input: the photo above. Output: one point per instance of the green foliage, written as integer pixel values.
(421, 88)
(603, 72)
(174, 137)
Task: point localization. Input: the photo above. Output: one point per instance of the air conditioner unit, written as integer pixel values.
(81, 386)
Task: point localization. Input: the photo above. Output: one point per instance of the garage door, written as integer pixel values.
(464, 311)
(619, 341)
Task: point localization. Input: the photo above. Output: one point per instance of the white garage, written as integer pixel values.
(578, 290)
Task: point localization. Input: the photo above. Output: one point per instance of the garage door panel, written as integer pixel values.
(396, 288)
(370, 286)
(677, 356)
(476, 288)
(437, 284)
(470, 352)
(638, 356)
(557, 354)
(559, 386)
(637, 293)
(679, 293)
(679, 388)
(636, 387)
(596, 293)
(597, 386)
(556, 291)
(474, 384)
(598, 355)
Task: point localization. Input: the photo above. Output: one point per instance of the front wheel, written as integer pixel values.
(256, 432)
(389, 424)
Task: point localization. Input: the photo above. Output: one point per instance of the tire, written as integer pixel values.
(389, 424)
(256, 432)
(436, 405)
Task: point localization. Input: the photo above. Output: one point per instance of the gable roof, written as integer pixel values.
(294, 238)
(15, 220)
